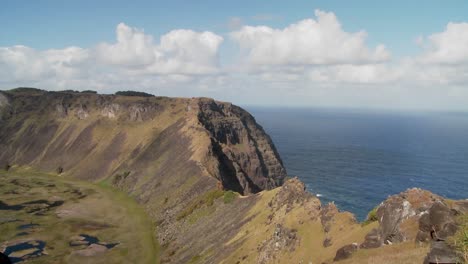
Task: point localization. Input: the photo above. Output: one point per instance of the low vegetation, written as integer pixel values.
(207, 199)
(52, 211)
(460, 240)
(371, 217)
(134, 93)
(229, 197)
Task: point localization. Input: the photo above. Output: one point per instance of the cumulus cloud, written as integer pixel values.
(21, 63)
(178, 52)
(307, 42)
(447, 47)
(311, 62)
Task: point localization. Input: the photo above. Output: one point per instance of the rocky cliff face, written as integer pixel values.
(52, 130)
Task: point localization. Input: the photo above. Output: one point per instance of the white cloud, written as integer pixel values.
(311, 62)
(307, 42)
(26, 64)
(133, 48)
(447, 47)
(179, 52)
(178, 55)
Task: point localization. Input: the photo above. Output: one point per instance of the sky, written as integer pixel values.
(351, 54)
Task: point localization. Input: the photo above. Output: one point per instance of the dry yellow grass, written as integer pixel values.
(403, 253)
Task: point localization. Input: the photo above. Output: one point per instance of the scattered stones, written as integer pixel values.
(283, 239)
(346, 251)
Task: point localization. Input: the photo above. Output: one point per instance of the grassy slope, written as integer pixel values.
(103, 205)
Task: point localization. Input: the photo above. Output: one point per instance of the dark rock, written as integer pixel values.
(441, 253)
(346, 251)
(438, 224)
(372, 240)
(327, 242)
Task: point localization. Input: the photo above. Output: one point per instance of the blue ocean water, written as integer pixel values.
(358, 158)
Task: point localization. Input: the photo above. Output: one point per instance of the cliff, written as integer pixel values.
(210, 179)
(93, 137)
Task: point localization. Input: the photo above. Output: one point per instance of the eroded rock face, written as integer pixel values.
(242, 146)
(82, 112)
(110, 110)
(396, 213)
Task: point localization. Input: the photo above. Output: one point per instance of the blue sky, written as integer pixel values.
(404, 28)
(57, 24)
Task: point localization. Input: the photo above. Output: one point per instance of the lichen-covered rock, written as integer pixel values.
(397, 212)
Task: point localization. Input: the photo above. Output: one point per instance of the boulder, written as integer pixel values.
(438, 223)
(346, 251)
(400, 210)
(372, 240)
(441, 253)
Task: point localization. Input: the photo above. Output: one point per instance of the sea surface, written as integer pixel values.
(357, 158)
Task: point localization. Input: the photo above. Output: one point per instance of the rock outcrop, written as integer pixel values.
(396, 214)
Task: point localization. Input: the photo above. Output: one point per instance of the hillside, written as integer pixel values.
(209, 178)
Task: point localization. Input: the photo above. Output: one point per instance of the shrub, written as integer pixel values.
(68, 91)
(7, 167)
(134, 93)
(89, 92)
(460, 240)
(59, 170)
(229, 197)
(371, 217)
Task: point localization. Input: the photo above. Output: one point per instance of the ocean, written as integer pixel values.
(357, 158)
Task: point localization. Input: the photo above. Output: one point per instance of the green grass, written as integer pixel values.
(229, 197)
(107, 213)
(460, 240)
(195, 259)
(371, 217)
(206, 199)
